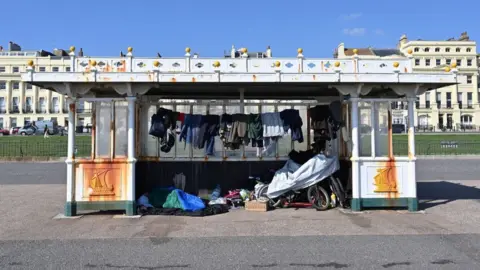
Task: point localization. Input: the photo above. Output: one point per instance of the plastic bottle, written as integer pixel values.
(333, 200)
(215, 194)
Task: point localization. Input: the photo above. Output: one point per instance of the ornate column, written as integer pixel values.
(131, 157)
(70, 206)
(412, 200)
(355, 205)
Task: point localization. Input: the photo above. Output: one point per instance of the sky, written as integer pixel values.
(210, 27)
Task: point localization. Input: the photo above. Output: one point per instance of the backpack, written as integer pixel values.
(157, 128)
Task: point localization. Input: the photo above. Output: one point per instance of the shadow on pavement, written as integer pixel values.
(431, 194)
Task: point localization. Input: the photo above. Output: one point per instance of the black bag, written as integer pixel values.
(167, 142)
(157, 128)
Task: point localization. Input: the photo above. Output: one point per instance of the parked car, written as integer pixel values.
(398, 128)
(27, 130)
(4, 131)
(51, 125)
(15, 130)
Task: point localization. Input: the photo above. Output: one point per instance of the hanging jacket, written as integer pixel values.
(255, 127)
(272, 124)
(292, 120)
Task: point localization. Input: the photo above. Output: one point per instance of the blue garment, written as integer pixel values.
(189, 202)
(190, 129)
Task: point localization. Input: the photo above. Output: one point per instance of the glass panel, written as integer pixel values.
(284, 143)
(364, 129)
(303, 114)
(149, 143)
(121, 140)
(381, 128)
(250, 151)
(102, 134)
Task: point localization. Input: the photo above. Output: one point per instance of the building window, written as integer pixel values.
(16, 85)
(459, 62)
(438, 99)
(427, 62)
(416, 49)
(449, 121)
(13, 122)
(417, 62)
(427, 100)
(56, 105)
(41, 69)
(15, 69)
(438, 62)
(447, 49)
(67, 69)
(448, 62)
(1, 122)
(2, 105)
(470, 100)
(3, 85)
(469, 49)
(459, 100)
(457, 50)
(29, 86)
(26, 121)
(437, 49)
(55, 69)
(40, 119)
(466, 121)
(2, 69)
(41, 102)
(15, 108)
(427, 49)
(469, 79)
(449, 100)
(469, 62)
(28, 104)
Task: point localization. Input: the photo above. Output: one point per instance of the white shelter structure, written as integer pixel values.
(126, 91)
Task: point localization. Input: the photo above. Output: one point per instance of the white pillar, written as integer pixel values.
(356, 204)
(70, 207)
(131, 157)
(412, 197)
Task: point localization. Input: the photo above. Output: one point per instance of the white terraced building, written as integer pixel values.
(452, 107)
(22, 103)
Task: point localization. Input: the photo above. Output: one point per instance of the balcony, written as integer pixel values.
(54, 110)
(41, 110)
(84, 111)
(424, 107)
(444, 106)
(15, 110)
(28, 110)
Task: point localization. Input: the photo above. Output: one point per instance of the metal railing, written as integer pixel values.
(41, 147)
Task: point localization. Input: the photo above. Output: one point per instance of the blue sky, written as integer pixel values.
(105, 27)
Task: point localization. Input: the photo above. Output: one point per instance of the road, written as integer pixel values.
(445, 236)
(303, 252)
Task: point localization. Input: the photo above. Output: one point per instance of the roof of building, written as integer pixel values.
(373, 52)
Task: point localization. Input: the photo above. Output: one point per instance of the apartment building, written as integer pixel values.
(22, 103)
(454, 107)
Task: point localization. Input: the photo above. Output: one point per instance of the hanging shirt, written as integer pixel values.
(272, 124)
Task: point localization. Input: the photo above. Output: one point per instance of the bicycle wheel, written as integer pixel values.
(318, 197)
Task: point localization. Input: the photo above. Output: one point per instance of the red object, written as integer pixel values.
(181, 117)
(298, 204)
(4, 131)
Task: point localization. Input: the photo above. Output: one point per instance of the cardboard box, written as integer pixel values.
(256, 206)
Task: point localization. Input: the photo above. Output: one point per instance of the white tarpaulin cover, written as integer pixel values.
(295, 177)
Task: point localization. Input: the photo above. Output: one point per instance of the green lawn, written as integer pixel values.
(56, 146)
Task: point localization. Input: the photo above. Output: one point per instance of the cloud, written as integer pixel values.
(352, 16)
(354, 31)
(379, 32)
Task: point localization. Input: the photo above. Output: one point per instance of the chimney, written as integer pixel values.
(80, 53)
(464, 37)
(14, 47)
(340, 51)
(403, 40)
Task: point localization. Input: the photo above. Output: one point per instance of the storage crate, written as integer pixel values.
(256, 206)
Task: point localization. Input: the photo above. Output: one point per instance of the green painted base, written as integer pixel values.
(130, 207)
(70, 209)
(411, 203)
(356, 205)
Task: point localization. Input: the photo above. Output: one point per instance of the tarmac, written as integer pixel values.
(443, 235)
